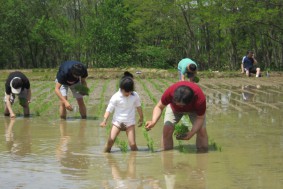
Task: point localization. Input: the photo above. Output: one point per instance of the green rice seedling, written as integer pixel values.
(102, 101)
(150, 142)
(37, 113)
(148, 91)
(196, 79)
(181, 147)
(180, 129)
(156, 86)
(122, 144)
(22, 101)
(214, 145)
(83, 90)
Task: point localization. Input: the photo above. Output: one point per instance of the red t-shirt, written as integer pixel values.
(197, 105)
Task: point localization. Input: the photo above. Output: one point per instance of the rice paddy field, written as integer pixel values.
(244, 124)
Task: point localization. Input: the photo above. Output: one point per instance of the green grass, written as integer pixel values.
(101, 105)
(149, 140)
(151, 96)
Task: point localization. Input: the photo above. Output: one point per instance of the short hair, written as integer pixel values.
(127, 84)
(183, 94)
(17, 83)
(78, 69)
(250, 51)
(192, 67)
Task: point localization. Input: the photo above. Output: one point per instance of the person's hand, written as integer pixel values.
(149, 125)
(29, 101)
(140, 122)
(12, 116)
(103, 124)
(183, 136)
(68, 106)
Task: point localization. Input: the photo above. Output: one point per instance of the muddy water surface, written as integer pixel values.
(244, 119)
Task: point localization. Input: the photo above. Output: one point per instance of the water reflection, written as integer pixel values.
(124, 173)
(122, 177)
(18, 144)
(247, 93)
(184, 174)
(70, 148)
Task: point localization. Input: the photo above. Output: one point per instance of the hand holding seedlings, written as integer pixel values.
(103, 124)
(149, 125)
(182, 136)
(68, 106)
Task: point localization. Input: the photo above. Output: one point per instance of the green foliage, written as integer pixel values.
(22, 101)
(214, 146)
(83, 90)
(196, 79)
(129, 33)
(180, 129)
(150, 142)
(122, 144)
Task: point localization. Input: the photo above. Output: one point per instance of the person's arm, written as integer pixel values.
(196, 127)
(255, 61)
(9, 106)
(242, 67)
(64, 100)
(157, 111)
(183, 77)
(106, 116)
(139, 109)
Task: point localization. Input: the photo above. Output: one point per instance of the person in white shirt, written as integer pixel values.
(123, 102)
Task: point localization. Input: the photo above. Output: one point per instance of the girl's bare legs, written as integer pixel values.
(113, 134)
(132, 138)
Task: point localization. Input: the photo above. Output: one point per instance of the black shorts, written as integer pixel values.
(251, 70)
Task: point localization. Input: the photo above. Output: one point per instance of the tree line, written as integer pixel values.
(148, 33)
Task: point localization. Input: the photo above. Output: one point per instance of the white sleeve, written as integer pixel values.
(111, 106)
(137, 100)
(243, 59)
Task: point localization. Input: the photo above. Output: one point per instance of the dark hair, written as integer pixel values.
(192, 67)
(78, 69)
(128, 74)
(17, 83)
(250, 51)
(183, 94)
(127, 84)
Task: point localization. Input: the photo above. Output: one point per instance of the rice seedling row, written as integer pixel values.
(151, 96)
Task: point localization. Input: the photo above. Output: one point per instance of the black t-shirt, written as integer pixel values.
(12, 75)
(64, 75)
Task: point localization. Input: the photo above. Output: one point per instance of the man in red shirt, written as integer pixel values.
(183, 98)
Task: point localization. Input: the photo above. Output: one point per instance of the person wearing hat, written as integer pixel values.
(17, 84)
(189, 67)
(70, 75)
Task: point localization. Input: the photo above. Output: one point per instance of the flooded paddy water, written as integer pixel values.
(244, 119)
